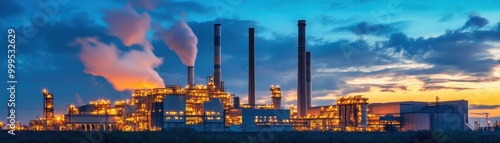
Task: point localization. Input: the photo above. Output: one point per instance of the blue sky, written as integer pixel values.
(388, 50)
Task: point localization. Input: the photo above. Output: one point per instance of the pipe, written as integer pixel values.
(251, 67)
(217, 55)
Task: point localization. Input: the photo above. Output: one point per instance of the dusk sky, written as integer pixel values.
(397, 50)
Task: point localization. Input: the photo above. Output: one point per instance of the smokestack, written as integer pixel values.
(251, 68)
(190, 76)
(276, 96)
(308, 78)
(301, 77)
(217, 56)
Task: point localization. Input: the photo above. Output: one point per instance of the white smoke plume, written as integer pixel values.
(128, 25)
(124, 70)
(79, 100)
(182, 40)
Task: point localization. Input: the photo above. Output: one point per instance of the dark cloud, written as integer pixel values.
(10, 8)
(352, 89)
(438, 87)
(387, 90)
(366, 28)
(446, 17)
(428, 80)
(481, 106)
(475, 22)
(451, 52)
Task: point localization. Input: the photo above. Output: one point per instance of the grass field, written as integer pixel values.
(189, 136)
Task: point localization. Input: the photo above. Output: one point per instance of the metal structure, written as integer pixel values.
(48, 110)
(488, 122)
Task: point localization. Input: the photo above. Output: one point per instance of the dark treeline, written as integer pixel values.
(190, 136)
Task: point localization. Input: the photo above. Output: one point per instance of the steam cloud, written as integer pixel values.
(133, 69)
(79, 100)
(128, 25)
(182, 40)
(124, 70)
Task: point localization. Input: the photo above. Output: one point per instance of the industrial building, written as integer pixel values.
(209, 107)
(413, 116)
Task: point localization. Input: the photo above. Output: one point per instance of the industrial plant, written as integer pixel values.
(209, 107)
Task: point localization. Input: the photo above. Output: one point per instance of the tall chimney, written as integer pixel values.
(217, 56)
(308, 78)
(251, 68)
(190, 79)
(301, 77)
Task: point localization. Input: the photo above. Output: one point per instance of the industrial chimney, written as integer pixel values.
(251, 68)
(276, 96)
(217, 56)
(301, 77)
(190, 76)
(308, 78)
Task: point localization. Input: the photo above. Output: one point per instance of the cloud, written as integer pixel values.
(366, 28)
(475, 22)
(446, 17)
(10, 8)
(128, 25)
(452, 52)
(124, 70)
(330, 20)
(437, 87)
(482, 107)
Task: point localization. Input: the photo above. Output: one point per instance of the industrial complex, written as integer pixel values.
(209, 107)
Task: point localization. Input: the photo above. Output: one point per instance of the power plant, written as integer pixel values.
(209, 107)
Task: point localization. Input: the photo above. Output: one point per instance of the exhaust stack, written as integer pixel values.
(301, 77)
(190, 79)
(251, 68)
(308, 78)
(217, 56)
